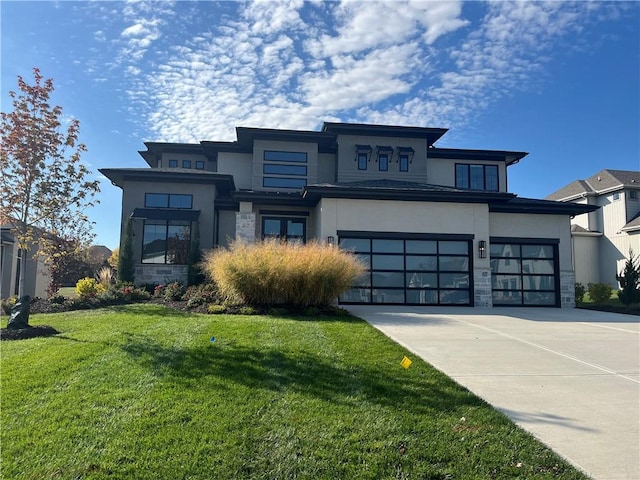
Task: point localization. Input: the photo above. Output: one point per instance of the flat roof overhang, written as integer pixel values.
(119, 176)
(431, 135)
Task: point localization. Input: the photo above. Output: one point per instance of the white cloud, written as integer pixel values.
(288, 64)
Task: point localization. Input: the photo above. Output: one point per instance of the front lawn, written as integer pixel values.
(141, 392)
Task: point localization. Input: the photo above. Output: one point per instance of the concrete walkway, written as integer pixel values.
(570, 377)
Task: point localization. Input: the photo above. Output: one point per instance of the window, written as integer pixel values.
(166, 241)
(271, 155)
(199, 165)
(284, 229)
(477, 177)
(284, 169)
(616, 196)
(173, 163)
(362, 161)
(186, 163)
(383, 162)
(285, 163)
(404, 162)
(633, 195)
(165, 200)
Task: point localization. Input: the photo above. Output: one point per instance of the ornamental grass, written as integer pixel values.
(274, 273)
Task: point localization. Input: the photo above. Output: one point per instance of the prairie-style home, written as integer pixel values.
(435, 226)
(602, 238)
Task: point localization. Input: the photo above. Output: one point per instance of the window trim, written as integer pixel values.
(199, 165)
(363, 160)
(383, 161)
(186, 163)
(403, 162)
(283, 226)
(173, 163)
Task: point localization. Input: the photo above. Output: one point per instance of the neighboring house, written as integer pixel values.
(603, 237)
(435, 226)
(36, 275)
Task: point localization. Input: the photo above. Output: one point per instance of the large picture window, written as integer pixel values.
(477, 177)
(166, 241)
(284, 229)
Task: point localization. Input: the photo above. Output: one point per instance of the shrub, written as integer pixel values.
(174, 291)
(158, 291)
(247, 310)
(580, 291)
(105, 276)
(629, 280)
(216, 309)
(57, 299)
(8, 303)
(271, 273)
(599, 292)
(89, 287)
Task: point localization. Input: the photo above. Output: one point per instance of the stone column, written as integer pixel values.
(482, 297)
(246, 223)
(567, 289)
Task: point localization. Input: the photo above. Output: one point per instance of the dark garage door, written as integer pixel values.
(413, 270)
(524, 274)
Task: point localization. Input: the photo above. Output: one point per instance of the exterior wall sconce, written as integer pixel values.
(331, 241)
(482, 249)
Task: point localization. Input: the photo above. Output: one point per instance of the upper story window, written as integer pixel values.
(616, 196)
(383, 162)
(173, 163)
(168, 200)
(284, 169)
(199, 165)
(477, 177)
(403, 161)
(363, 159)
(186, 163)
(633, 195)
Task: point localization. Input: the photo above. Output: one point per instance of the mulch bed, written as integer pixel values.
(31, 332)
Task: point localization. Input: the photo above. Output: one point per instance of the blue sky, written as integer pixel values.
(560, 80)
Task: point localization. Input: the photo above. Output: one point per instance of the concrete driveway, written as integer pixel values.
(570, 377)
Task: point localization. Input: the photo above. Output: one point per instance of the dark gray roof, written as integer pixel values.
(385, 183)
(605, 180)
(633, 224)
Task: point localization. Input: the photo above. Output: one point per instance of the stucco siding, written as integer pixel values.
(535, 226)
(327, 168)
(239, 165)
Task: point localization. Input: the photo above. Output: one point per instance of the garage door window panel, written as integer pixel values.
(429, 264)
(422, 246)
(421, 280)
(454, 264)
(387, 262)
(388, 279)
(380, 295)
(422, 297)
(387, 246)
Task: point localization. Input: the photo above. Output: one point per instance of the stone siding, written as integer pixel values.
(246, 227)
(161, 274)
(567, 289)
(482, 296)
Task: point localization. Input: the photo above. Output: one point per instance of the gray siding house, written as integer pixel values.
(435, 226)
(602, 238)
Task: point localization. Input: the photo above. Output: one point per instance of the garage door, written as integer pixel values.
(413, 270)
(524, 273)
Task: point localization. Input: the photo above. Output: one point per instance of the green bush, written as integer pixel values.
(599, 292)
(629, 280)
(271, 273)
(216, 309)
(580, 291)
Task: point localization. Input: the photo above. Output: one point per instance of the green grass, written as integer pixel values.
(140, 392)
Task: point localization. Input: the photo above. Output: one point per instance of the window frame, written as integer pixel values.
(383, 161)
(283, 235)
(173, 163)
(403, 162)
(166, 224)
(199, 164)
(186, 163)
(464, 180)
(363, 160)
(168, 203)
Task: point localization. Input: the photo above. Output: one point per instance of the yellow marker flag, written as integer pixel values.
(406, 363)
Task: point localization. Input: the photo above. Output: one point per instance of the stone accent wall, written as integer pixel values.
(161, 274)
(482, 288)
(246, 226)
(567, 289)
